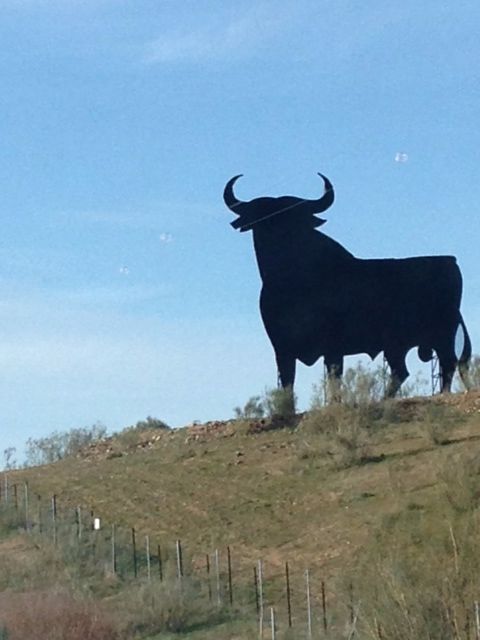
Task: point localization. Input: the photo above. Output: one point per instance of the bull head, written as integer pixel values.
(262, 209)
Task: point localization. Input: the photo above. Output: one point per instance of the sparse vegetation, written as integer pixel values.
(418, 577)
(168, 607)
(474, 373)
(54, 615)
(151, 423)
(439, 422)
(254, 409)
(357, 494)
(61, 444)
(280, 403)
(275, 403)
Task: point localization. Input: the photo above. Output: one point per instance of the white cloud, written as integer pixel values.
(239, 38)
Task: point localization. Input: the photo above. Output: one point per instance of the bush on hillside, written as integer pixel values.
(151, 423)
(280, 403)
(54, 615)
(253, 409)
(169, 606)
(61, 444)
(276, 403)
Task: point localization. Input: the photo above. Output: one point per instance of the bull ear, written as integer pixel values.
(323, 203)
(229, 198)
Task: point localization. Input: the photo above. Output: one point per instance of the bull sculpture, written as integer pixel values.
(319, 300)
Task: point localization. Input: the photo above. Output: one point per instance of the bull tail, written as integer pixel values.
(465, 356)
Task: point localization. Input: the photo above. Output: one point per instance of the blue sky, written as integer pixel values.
(124, 292)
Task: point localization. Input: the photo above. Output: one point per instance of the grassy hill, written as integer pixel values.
(363, 497)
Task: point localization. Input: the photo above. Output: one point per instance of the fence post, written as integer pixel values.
(15, 497)
(134, 553)
(272, 622)
(114, 551)
(54, 518)
(160, 565)
(209, 586)
(255, 583)
(477, 620)
(217, 577)
(352, 608)
(289, 601)
(260, 597)
(27, 517)
(324, 607)
(78, 522)
(147, 551)
(230, 582)
(309, 604)
(179, 560)
(39, 513)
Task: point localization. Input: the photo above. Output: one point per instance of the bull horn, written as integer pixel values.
(323, 203)
(229, 198)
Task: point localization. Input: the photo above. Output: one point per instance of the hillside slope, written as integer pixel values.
(311, 495)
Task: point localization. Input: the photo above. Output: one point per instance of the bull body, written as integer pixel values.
(318, 299)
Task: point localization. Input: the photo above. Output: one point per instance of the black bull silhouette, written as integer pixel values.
(319, 300)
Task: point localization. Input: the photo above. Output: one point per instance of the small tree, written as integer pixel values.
(9, 460)
(254, 409)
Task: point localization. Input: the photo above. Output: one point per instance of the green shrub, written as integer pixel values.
(275, 403)
(151, 423)
(280, 403)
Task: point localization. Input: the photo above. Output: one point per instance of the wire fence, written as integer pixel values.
(278, 598)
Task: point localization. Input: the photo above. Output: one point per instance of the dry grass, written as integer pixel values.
(418, 576)
(367, 489)
(54, 615)
(213, 490)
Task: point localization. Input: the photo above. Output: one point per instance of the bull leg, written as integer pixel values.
(398, 372)
(334, 372)
(448, 362)
(286, 377)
